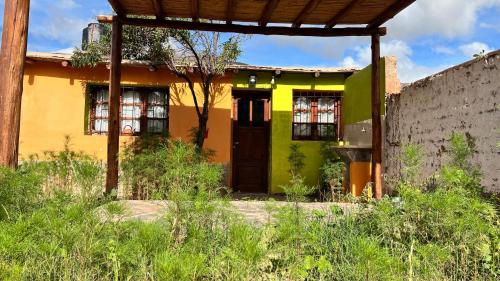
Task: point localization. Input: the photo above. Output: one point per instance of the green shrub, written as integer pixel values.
(332, 175)
(20, 191)
(156, 168)
(68, 171)
(411, 160)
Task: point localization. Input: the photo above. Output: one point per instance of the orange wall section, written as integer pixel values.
(53, 106)
(360, 176)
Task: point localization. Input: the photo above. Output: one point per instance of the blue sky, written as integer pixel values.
(427, 37)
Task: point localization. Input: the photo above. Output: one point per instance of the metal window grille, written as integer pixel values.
(142, 110)
(317, 115)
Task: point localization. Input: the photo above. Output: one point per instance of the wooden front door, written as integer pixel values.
(251, 117)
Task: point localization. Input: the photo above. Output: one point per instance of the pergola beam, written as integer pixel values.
(248, 29)
(389, 13)
(118, 7)
(195, 10)
(114, 105)
(268, 12)
(12, 59)
(229, 11)
(376, 167)
(158, 9)
(311, 5)
(335, 19)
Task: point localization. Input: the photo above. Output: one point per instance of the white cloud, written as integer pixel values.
(350, 62)
(59, 21)
(444, 50)
(61, 28)
(449, 18)
(408, 70)
(485, 25)
(474, 48)
(446, 18)
(68, 50)
(62, 4)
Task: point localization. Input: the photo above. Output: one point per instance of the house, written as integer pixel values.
(257, 112)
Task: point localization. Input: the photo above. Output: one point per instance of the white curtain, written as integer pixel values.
(302, 114)
(131, 109)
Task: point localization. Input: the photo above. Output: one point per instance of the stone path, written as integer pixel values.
(253, 211)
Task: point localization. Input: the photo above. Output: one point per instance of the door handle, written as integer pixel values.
(235, 144)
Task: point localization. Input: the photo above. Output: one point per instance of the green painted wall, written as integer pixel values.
(356, 105)
(281, 121)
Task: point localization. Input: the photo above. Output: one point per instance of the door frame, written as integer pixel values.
(261, 93)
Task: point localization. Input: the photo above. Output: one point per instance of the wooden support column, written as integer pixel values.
(12, 58)
(376, 119)
(114, 105)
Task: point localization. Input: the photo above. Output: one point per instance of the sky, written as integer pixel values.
(427, 37)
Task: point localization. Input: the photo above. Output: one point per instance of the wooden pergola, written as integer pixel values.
(324, 18)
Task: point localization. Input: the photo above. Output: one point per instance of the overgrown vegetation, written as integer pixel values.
(156, 167)
(449, 232)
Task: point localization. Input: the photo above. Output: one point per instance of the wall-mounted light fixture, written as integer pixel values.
(252, 80)
(273, 81)
(316, 74)
(152, 68)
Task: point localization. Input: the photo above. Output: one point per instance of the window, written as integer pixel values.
(142, 110)
(316, 115)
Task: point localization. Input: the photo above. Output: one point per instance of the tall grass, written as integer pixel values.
(449, 232)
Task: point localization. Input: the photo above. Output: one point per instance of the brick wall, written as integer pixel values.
(466, 99)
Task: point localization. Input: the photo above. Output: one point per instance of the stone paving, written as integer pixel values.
(253, 211)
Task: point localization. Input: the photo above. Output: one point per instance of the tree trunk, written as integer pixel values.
(202, 128)
(12, 56)
(203, 117)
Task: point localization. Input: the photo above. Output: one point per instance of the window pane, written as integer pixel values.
(101, 125)
(130, 126)
(301, 130)
(325, 110)
(157, 97)
(258, 113)
(131, 97)
(101, 110)
(102, 96)
(326, 130)
(302, 110)
(157, 111)
(157, 126)
(243, 112)
(131, 111)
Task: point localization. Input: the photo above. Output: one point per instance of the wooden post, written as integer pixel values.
(114, 105)
(376, 119)
(12, 57)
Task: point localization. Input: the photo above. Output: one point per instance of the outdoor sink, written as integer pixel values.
(353, 153)
(357, 167)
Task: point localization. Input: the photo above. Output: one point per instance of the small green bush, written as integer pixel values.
(20, 192)
(68, 171)
(157, 167)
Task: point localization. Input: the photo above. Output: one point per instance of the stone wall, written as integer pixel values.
(466, 99)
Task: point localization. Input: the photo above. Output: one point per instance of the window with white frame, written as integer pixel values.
(142, 110)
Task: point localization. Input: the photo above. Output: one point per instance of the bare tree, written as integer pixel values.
(191, 55)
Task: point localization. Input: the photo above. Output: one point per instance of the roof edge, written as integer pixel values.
(61, 57)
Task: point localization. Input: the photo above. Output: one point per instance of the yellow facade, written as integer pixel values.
(53, 107)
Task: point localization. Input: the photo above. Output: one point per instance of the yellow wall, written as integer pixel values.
(53, 106)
